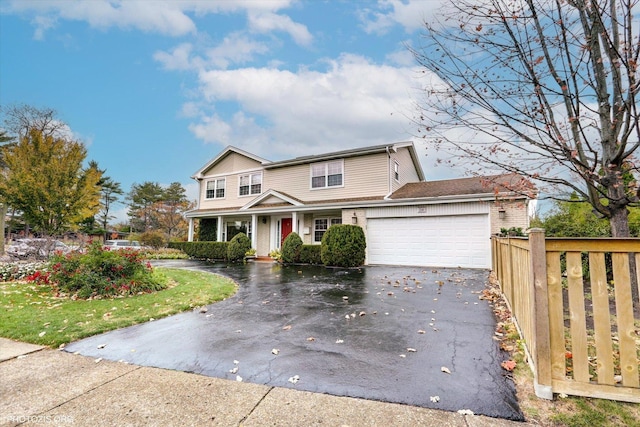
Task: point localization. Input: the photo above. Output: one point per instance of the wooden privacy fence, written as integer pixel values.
(575, 306)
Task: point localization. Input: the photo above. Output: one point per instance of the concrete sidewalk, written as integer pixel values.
(39, 386)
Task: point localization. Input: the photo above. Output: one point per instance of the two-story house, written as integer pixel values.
(382, 189)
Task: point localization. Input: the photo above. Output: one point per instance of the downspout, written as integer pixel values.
(388, 174)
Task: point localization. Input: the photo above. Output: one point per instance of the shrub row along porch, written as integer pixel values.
(576, 307)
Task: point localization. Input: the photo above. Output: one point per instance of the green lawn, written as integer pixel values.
(31, 313)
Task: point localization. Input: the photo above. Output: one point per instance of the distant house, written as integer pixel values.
(406, 220)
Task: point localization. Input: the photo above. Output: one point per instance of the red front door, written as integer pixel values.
(286, 229)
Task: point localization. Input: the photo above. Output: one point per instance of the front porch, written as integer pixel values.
(267, 230)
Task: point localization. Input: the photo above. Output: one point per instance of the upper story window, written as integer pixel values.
(250, 184)
(215, 188)
(396, 171)
(329, 174)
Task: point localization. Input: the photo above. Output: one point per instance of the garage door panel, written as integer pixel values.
(447, 241)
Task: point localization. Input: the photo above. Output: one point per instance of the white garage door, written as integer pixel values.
(443, 241)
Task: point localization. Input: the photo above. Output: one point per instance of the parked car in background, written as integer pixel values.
(122, 244)
(35, 248)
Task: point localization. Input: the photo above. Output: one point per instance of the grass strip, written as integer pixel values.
(32, 313)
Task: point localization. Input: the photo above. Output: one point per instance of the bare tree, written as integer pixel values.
(21, 118)
(546, 89)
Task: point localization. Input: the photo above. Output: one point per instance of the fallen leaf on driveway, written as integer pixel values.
(102, 346)
(294, 379)
(445, 370)
(311, 339)
(411, 350)
(238, 378)
(421, 331)
(234, 370)
(339, 341)
(435, 399)
(275, 351)
(286, 328)
(466, 412)
(362, 313)
(508, 365)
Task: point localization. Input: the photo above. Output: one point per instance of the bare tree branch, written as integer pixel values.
(542, 88)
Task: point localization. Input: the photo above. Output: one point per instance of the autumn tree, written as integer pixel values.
(142, 198)
(170, 210)
(545, 89)
(110, 192)
(5, 140)
(46, 181)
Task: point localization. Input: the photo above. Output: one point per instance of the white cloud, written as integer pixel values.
(409, 14)
(190, 110)
(351, 103)
(178, 59)
(212, 129)
(402, 57)
(168, 17)
(236, 48)
(162, 17)
(266, 22)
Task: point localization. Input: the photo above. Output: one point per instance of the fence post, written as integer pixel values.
(540, 313)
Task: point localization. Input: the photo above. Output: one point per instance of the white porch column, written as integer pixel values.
(190, 235)
(219, 229)
(294, 222)
(254, 231)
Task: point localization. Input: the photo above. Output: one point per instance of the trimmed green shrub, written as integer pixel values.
(238, 247)
(154, 239)
(291, 248)
(207, 230)
(310, 254)
(343, 245)
(202, 250)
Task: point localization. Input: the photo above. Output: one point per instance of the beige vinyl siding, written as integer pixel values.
(363, 176)
(232, 163)
(231, 198)
(407, 169)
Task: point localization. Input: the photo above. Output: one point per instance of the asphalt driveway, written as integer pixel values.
(396, 334)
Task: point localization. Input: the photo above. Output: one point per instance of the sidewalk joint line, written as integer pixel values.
(256, 406)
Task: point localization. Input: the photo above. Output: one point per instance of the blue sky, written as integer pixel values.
(155, 89)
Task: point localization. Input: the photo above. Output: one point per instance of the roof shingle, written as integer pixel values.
(496, 184)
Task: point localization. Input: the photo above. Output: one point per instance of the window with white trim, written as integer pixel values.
(328, 174)
(396, 171)
(321, 225)
(215, 188)
(250, 184)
